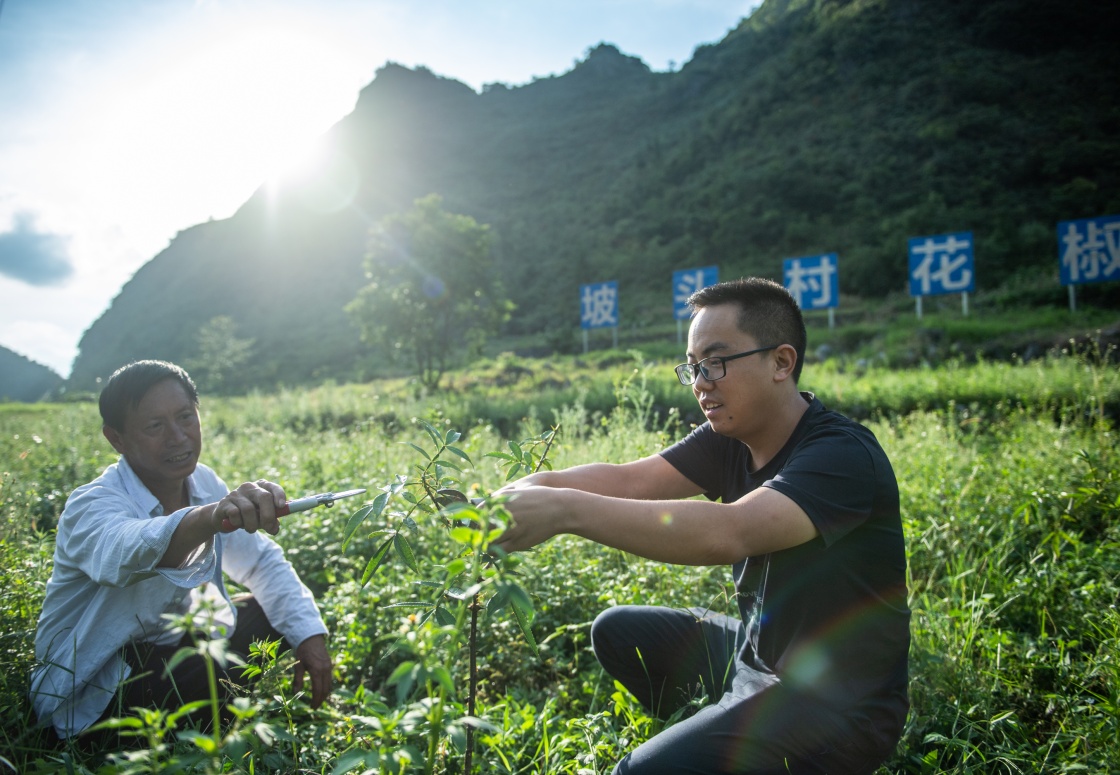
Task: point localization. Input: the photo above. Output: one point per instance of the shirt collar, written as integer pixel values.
(143, 496)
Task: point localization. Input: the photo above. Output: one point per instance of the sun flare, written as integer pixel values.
(213, 123)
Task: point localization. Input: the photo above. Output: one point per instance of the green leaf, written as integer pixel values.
(526, 630)
(186, 710)
(119, 723)
(206, 744)
(451, 437)
(499, 600)
(433, 434)
(445, 465)
(463, 535)
(360, 516)
(355, 757)
(460, 453)
(409, 604)
(520, 599)
(443, 678)
(500, 456)
(463, 594)
(405, 684)
(479, 724)
(404, 549)
(376, 560)
(419, 449)
(266, 733)
(180, 655)
(403, 669)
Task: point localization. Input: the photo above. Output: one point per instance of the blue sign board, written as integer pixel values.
(942, 264)
(814, 281)
(598, 305)
(688, 281)
(1089, 250)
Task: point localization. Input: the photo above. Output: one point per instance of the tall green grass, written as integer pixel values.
(1011, 493)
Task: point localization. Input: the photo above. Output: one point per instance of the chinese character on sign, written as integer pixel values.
(688, 281)
(814, 281)
(1089, 250)
(942, 264)
(599, 305)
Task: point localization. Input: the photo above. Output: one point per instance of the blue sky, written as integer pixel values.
(123, 122)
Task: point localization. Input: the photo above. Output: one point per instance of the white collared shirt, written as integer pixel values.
(106, 590)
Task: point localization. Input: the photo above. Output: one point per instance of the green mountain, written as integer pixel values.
(814, 126)
(22, 379)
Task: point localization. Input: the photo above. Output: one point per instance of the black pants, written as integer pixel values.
(755, 724)
(151, 686)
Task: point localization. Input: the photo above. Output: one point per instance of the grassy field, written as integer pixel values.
(1010, 480)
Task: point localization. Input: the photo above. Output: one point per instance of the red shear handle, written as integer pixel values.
(282, 511)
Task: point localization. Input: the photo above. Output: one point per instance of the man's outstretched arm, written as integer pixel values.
(650, 478)
(689, 532)
(250, 507)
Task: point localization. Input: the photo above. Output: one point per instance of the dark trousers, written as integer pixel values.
(754, 724)
(151, 685)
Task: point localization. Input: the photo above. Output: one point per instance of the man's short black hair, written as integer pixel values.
(767, 311)
(130, 383)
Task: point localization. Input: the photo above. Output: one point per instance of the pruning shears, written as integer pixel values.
(303, 504)
(313, 501)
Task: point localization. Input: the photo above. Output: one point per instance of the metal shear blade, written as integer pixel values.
(328, 498)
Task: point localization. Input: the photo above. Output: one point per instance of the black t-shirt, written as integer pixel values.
(829, 616)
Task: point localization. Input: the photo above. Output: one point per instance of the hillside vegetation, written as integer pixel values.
(22, 379)
(813, 126)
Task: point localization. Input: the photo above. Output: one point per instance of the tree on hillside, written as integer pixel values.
(434, 291)
(220, 354)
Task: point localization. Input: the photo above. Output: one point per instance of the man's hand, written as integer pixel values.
(538, 513)
(316, 661)
(251, 507)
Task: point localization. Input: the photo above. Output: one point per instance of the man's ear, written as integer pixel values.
(785, 359)
(113, 437)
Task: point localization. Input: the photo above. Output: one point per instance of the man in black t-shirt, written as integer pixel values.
(811, 678)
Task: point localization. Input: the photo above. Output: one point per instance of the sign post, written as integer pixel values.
(814, 282)
(599, 309)
(685, 283)
(942, 264)
(1088, 252)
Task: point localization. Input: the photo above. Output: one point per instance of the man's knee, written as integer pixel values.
(611, 631)
(604, 627)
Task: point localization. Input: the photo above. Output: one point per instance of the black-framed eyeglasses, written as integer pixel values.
(714, 367)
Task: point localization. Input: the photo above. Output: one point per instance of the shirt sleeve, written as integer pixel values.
(700, 456)
(102, 534)
(833, 477)
(257, 562)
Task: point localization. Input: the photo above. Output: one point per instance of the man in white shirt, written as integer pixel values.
(152, 536)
